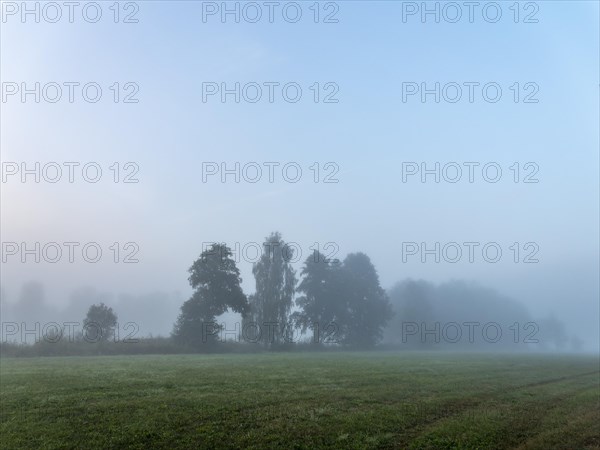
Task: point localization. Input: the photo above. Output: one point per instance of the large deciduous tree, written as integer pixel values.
(216, 280)
(320, 300)
(342, 302)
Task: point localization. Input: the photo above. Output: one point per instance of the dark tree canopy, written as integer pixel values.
(342, 301)
(216, 280)
(216, 275)
(320, 300)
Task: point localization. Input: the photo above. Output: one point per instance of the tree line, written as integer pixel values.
(328, 302)
(339, 302)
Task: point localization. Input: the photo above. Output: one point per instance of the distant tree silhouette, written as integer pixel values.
(367, 308)
(552, 333)
(99, 323)
(342, 302)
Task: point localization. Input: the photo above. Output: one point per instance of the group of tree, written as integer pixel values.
(328, 302)
(453, 315)
(346, 294)
(338, 302)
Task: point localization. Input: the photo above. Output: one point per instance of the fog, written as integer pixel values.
(377, 166)
(455, 311)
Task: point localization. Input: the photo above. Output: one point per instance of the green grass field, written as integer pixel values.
(301, 400)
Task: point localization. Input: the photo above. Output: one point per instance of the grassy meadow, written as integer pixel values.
(301, 400)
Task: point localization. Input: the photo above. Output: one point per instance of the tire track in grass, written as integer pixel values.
(524, 422)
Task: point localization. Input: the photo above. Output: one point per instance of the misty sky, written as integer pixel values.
(368, 134)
